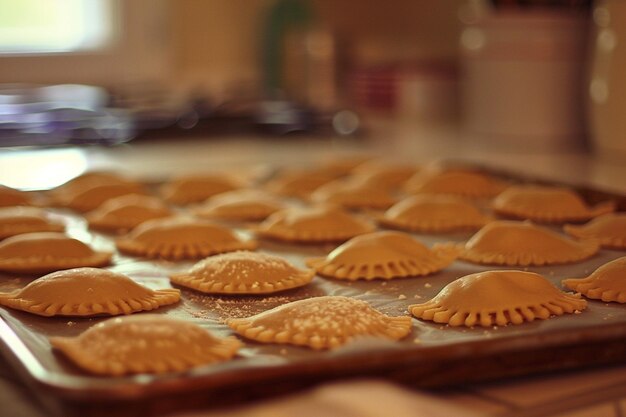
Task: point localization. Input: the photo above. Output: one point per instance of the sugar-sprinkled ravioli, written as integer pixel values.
(12, 197)
(546, 204)
(497, 298)
(87, 292)
(609, 229)
(353, 194)
(179, 238)
(321, 323)
(313, 225)
(18, 220)
(299, 183)
(607, 283)
(383, 255)
(145, 344)
(462, 182)
(240, 205)
(42, 252)
(515, 243)
(433, 214)
(195, 188)
(243, 272)
(123, 213)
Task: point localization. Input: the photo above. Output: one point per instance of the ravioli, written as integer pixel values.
(546, 204)
(121, 214)
(609, 229)
(180, 238)
(243, 273)
(461, 182)
(383, 255)
(88, 199)
(19, 220)
(87, 292)
(12, 197)
(312, 225)
(240, 205)
(384, 174)
(607, 283)
(497, 298)
(433, 214)
(353, 194)
(522, 244)
(32, 253)
(91, 179)
(145, 343)
(298, 183)
(196, 188)
(321, 323)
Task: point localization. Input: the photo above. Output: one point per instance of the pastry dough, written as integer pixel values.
(87, 292)
(12, 197)
(461, 182)
(546, 204)
(18, 220)
(607, 283)
(240, 205)
(180, 238)
(32, 253)
(321, 323)
(382, 255)
(243, 273)
(433, 214)
(353, 194)
(123, 213)
(522, 244)
(298, 183)
(312, 225)
(497, 298)
(609, 229)
(384, 174)
(197, 188)
(144, 343)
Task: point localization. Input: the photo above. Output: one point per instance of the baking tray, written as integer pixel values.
(432, 355)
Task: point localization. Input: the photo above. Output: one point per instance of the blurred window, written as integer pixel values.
(52, 26)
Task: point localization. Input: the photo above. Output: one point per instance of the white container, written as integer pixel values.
(607, 84)
(522, 80)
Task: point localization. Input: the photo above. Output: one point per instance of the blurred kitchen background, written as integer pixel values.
(545, 75)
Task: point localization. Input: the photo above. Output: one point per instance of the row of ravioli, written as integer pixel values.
(373, 255)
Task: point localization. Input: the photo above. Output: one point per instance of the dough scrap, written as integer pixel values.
(383, 255)
(179, 238)
(87, 292)
(312, 225)
(514, 243)
(243, 273)
(433, 214)
(546, 204)
(497, 298)
(609, 229)
(607, 283)
(321, 323)
(43, 252)
(121, 214)
(145, 343)
(20, 219)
